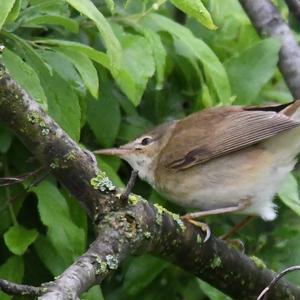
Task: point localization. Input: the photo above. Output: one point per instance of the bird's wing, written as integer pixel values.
(215, 132)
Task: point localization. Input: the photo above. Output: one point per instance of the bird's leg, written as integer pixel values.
(237, 227)
(124, 196)
(192, 216)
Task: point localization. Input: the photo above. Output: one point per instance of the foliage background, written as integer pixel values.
(106, 71)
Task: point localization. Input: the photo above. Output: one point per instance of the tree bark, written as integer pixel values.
(268, 22)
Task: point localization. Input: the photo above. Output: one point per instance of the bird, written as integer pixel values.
(226, 159)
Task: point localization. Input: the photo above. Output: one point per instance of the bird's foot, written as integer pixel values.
(203, 226)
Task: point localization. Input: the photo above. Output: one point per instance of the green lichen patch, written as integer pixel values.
(133, 199)
(70, 155)
(147, 235)
(33, 117)
(258, 262)
(55, 164)
(216, 262)
(174, 216)
(112, 262)
(199, 239)
(102, 182)
(101, 266)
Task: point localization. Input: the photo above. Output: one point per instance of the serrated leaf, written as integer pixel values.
(138, 66)
(86, 7)
(64, 105)
(253, 68)
(85, 68)
(197, 10)
(67, 23)
(12, 270)
(289, 194)
(5, 7)
(49, 255)
(67, 238)
(25, 76)
(141, 272)
(18, 239)
(64, 68)
(159, 55)
(104, 116)
(190, 46)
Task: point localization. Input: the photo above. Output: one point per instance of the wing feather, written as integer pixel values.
(215, 132)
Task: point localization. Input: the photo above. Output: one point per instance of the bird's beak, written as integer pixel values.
(115, 151)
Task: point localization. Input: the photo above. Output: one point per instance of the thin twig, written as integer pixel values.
(124, 196)
(7, 181)
(264, 294)
(19, 289)
(18, 195)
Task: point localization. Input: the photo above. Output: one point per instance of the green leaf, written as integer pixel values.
(253, 68)
(65, 69)
(94, 293)
(5, 8)
(86, 7)
(197, 10)
(25, 76)
(138, 66)
(14, 13)
(67, 23)
(111, 5)
(141, 272)
(85, 68)
(5, 139)
(159, 54)
(212, 292)
(51, 258)
(104, 116)
(18, 239)
(93, 54)
(289, 194)
(190, 46)
(64, 105)
(12, 270)
(67, 238)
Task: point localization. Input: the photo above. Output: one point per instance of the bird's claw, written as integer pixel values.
(203, 226)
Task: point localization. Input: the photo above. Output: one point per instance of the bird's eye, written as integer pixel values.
(146, 141)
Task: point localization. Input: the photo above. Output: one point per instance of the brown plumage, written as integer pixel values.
(220, 159)
(220, 131)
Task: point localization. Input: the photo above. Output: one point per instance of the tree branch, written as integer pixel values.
(19, 289)
(55, 150)
(268, 22)
(138, 228)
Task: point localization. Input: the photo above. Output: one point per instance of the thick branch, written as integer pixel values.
(140, 228)
(52, 146)
(268, 21)
(145, 228)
